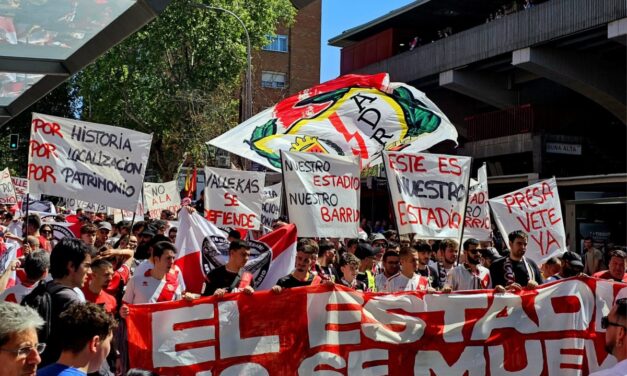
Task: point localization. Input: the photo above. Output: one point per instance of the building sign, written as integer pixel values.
(559, 148)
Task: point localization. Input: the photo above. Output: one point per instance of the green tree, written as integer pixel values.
(179, 77)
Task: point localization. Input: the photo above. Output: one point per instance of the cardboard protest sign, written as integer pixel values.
(535, 210)
(550, 331)
(233, 198)
(322, 193)
(429, 193)
(21, 187)
(161, 196)
(271, 207)
(7, 191)
(477, 220)
(87, 161)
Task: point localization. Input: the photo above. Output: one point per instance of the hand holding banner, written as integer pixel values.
(428, 193)
(535, 210)
(87, 161)
(322, 193)
(233, 198)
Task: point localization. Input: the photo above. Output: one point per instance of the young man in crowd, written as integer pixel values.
(302, 275)
(391, 266)
(70, 263)
(32, 228)
(571, 266)
(593, 258)
(424, 269)
(88, 233)
(19, 346)
(231, 276)
(101, 276)
(470, 275)
(488, 255)
(104, 229)
(87, 341)
(551, 267)
(349, 265)
(447, 258)
(351, 245)
(36, 266)
(326, 257)
(160, 283)
(366, 255)
(615, 325)
(616, 267)
(515, 270)
(407, 279)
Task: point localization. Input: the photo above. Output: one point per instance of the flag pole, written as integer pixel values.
(461, 232)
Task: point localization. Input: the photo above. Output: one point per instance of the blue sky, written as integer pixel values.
(341, 15)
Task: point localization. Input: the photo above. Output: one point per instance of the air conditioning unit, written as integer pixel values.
(223, 161)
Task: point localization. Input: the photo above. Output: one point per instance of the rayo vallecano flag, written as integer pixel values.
(204, 247)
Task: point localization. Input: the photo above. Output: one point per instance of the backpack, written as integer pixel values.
(40, 299)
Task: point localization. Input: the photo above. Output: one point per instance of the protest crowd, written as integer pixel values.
(92, 279)
(139, 279)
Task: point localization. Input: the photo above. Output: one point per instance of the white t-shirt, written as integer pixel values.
(619, 369)
(16, 293)
(459, 278)
(143, 288)
(380, 280)
(398, 282)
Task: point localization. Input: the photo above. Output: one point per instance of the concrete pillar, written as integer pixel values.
(584, 73)
(489, 89)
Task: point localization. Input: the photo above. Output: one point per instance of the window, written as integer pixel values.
(273, 80)
(277, 43)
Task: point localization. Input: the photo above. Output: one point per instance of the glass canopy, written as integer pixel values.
(12, 85)
(53, 29)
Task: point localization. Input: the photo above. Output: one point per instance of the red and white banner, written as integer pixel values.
(233, 198)
(87, 161)
(204, 247)
(161, 196)
(429, 192)
(322, 193)
(7, 191)
(554, 330)
(477, 220)
(536, 210)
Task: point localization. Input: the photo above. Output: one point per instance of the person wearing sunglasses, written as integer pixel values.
(19, 348)
(615, 325)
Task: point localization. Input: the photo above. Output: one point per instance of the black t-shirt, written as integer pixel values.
(521, 276)
(432, 275)
(289, 281)
(219, 278)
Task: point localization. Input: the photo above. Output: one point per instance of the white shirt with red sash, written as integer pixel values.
(16, 293)
(143, 288)
(399, 282)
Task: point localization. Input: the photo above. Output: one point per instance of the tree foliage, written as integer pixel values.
(179, 76)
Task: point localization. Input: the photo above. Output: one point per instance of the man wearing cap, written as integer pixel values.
(488, 255)
(104, 229)
(571, 267)
(378, 240)
(366, 254)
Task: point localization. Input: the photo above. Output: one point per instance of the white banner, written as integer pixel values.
(87, 161)
(21, 187)
(322, 193)
(536, 211)
(477, 220)
(271, 207)
(7, 191)
(74, 204)
(233, 198)
(429, 192)
(161, 196)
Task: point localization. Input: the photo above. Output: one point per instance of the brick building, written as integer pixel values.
(291, 62)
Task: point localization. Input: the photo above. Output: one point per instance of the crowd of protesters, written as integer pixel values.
(91, 280)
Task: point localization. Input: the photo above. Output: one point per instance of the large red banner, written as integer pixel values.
(320, 330)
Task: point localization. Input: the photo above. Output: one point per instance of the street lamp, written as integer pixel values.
(247, 94)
